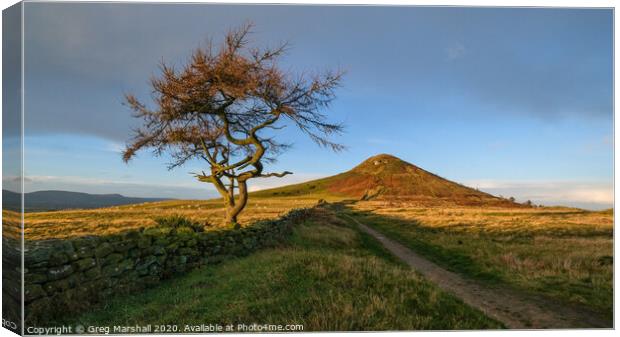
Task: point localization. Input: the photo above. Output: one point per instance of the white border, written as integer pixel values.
(476, 3)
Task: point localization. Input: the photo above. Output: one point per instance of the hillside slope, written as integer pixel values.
(55, 200)
(385, 177)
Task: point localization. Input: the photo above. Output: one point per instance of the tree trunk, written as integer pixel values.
(235, 207)
(231, 218)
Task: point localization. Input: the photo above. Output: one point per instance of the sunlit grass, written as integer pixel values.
(561, 252)
(105, 221)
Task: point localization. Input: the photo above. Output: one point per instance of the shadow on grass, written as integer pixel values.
(451, 259)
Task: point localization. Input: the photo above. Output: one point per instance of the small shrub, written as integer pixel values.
(179, 222)
(606, 260)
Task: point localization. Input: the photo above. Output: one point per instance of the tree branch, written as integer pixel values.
(279, 175)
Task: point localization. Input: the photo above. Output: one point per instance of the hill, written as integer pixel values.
(56, 200)
(386, 177)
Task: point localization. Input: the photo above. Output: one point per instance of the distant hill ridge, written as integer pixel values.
(56, 200)
(386, 177)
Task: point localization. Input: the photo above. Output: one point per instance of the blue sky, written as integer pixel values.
(512, 101)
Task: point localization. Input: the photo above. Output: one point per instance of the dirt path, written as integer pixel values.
(516, 310)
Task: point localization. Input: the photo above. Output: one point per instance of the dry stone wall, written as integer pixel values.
(68, 276)
(11, 282)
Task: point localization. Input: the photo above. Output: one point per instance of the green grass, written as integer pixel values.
(329, 277)
(564, 255)
(315, 187)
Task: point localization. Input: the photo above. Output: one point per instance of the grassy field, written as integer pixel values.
(104, 221)
(328, 277)
(561, 252)
(11, 224)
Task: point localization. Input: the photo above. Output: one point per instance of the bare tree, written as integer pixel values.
(219, 107)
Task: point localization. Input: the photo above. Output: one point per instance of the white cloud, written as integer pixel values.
(266, 183)
(570, 193)
(595, 195)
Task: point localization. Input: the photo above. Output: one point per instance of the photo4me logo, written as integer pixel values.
(269, 327)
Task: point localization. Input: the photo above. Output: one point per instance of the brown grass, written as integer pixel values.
(104, 221)
(562, 252)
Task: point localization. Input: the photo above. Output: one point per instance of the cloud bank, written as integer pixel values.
(590, 195)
